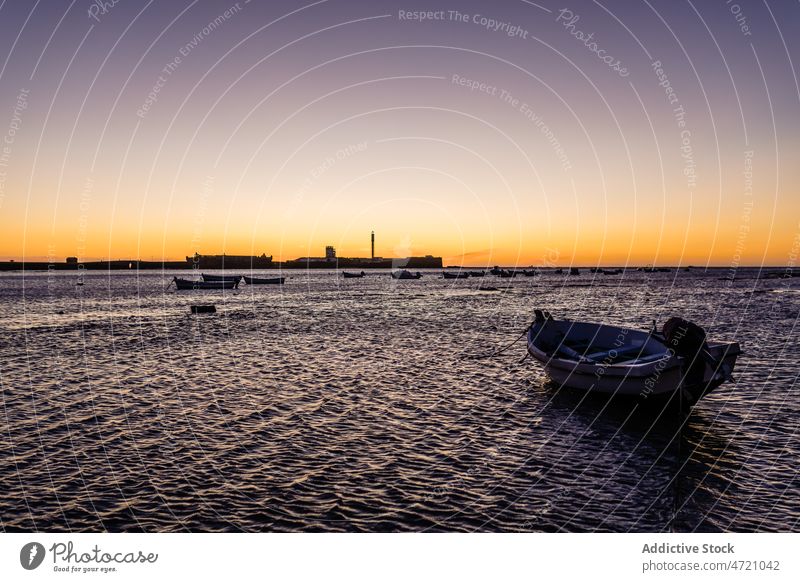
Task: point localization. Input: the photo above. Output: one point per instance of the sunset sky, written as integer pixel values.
(509, 132)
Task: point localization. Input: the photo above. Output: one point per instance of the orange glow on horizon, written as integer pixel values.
(474, 252)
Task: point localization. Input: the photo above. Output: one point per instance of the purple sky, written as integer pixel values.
(589, 132)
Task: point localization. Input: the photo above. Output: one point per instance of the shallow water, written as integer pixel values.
(351, 405)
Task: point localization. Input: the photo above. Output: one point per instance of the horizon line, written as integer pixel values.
(42, 259)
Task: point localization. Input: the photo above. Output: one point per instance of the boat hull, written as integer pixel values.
(224, 278)
(595, 380)
(192, 285)
(405, 275)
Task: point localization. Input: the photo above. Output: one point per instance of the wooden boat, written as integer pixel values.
(503, 274)
(347, 275)
(477, 273)
(262, 281)
(211, 278)
(530, 273)
(194, 285)
(625, 362)
(461, 275)
(404, 274)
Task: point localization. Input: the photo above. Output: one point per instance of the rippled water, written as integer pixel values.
(349, 405)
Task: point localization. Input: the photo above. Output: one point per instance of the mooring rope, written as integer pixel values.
(502, 350)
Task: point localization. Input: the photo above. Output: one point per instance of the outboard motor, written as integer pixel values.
(688, 340)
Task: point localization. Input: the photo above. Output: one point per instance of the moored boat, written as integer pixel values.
(347, 275)
(404, 274)
(195, 285)
(212, 278)
(264, 281)
(459, 275)
(619, 361)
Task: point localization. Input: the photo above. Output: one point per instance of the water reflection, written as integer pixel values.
(324, 406)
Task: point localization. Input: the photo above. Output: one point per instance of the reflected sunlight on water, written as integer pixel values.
(348, 405)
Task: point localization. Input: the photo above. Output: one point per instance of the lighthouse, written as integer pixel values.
(373, 245)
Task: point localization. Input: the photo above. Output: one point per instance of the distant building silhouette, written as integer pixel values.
(230, 261)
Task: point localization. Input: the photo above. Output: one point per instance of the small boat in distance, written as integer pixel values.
(477, 273)
(347, 275)
(262, 281)
(461, 275)
(212, 278)
(676, 362)
(194, 285)
(652, 269)
(404, 274)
